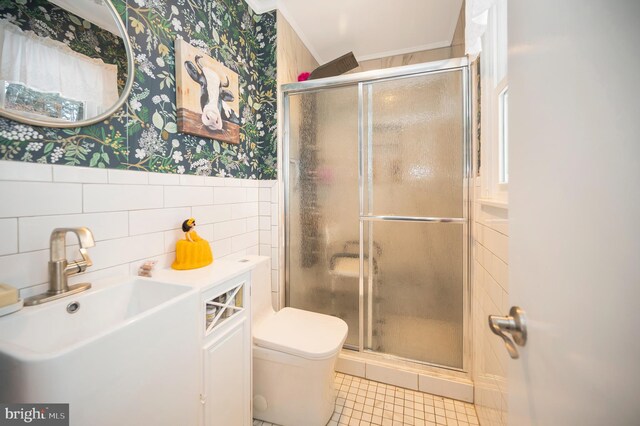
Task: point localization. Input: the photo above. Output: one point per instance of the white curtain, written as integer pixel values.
(476, 16)
(51, 66)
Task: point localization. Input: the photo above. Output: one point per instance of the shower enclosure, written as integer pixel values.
(376, 195)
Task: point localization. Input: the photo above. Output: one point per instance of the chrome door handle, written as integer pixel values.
(514, 324)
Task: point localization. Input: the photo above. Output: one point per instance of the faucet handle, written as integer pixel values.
(86, 260)
(78, 266)
(85, 238)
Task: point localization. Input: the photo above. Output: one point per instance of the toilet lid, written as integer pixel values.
(302, 333)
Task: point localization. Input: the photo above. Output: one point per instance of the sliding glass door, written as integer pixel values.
(414, 216)
(376, 212)
(322, 181)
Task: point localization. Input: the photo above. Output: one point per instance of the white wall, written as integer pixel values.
(135, 216)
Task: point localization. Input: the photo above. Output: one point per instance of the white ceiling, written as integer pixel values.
(370, 28)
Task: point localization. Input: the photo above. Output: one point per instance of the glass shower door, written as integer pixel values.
(414, 217)
(376, 210)
(322, 247)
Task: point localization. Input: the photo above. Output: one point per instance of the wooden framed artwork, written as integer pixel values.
(207, 95)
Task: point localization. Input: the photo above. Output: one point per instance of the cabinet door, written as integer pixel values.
(227, 380)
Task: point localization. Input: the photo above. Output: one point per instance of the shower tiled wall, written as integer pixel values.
(269, 236)
(135, 216)
(490, 297)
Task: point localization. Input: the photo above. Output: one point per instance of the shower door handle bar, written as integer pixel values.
(414, 219)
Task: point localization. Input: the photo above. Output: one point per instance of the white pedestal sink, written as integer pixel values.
(127, 356)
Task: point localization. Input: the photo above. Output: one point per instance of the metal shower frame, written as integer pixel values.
(361, 80)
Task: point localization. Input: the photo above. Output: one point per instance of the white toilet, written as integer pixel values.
(294, 356)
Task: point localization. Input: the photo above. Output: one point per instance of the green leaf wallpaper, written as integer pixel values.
(143, 135)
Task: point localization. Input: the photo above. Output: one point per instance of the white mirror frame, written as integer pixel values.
(105, 115)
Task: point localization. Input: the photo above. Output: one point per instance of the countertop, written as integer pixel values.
(210, 276)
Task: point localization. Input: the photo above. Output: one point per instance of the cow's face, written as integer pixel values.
(211, 89)
(211, 116)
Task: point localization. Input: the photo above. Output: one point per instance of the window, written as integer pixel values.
(503, 140)
(495, 106)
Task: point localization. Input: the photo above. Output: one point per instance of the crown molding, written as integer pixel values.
(262, 6)
(405, 51)
(298, 30)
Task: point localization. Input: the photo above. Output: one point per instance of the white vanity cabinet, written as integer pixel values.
(226, 353)
(224, 328)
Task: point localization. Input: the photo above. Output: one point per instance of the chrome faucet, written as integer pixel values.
(60, 269)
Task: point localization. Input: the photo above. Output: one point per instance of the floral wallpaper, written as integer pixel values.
(143, 135)
(48, 20)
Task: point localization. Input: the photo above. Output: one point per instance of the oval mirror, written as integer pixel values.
(63, 63)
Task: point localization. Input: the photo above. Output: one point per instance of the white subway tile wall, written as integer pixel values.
(26, 172)
(191, 180)
(269, 235)
(265, 221)
(147, 221)
(213, 214)
(175, 196)
(235, 182)
(227, 195)
(160, 178)
(39, 198)
(252, 223)
(111, 197)
(490, 297)
(252, 194)
(9, 233)
(35, 231)
(134, 216)
(128, 177)
(81, 175)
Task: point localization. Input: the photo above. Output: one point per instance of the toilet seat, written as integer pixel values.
(301, 333)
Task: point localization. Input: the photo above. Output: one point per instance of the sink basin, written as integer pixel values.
(127, 355)
(44, 331)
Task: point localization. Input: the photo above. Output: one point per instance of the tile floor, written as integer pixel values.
(364, 402)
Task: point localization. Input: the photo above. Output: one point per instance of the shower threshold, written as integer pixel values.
(409, 374)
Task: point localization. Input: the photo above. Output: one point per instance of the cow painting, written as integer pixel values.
(207, 98)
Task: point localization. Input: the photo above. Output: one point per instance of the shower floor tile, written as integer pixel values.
(363, 402)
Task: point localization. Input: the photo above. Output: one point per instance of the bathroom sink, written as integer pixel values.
(43, 331)
(120, 353)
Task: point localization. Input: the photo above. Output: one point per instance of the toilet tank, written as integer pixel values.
(261, 290)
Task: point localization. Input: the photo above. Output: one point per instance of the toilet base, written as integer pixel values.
(292, 391)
